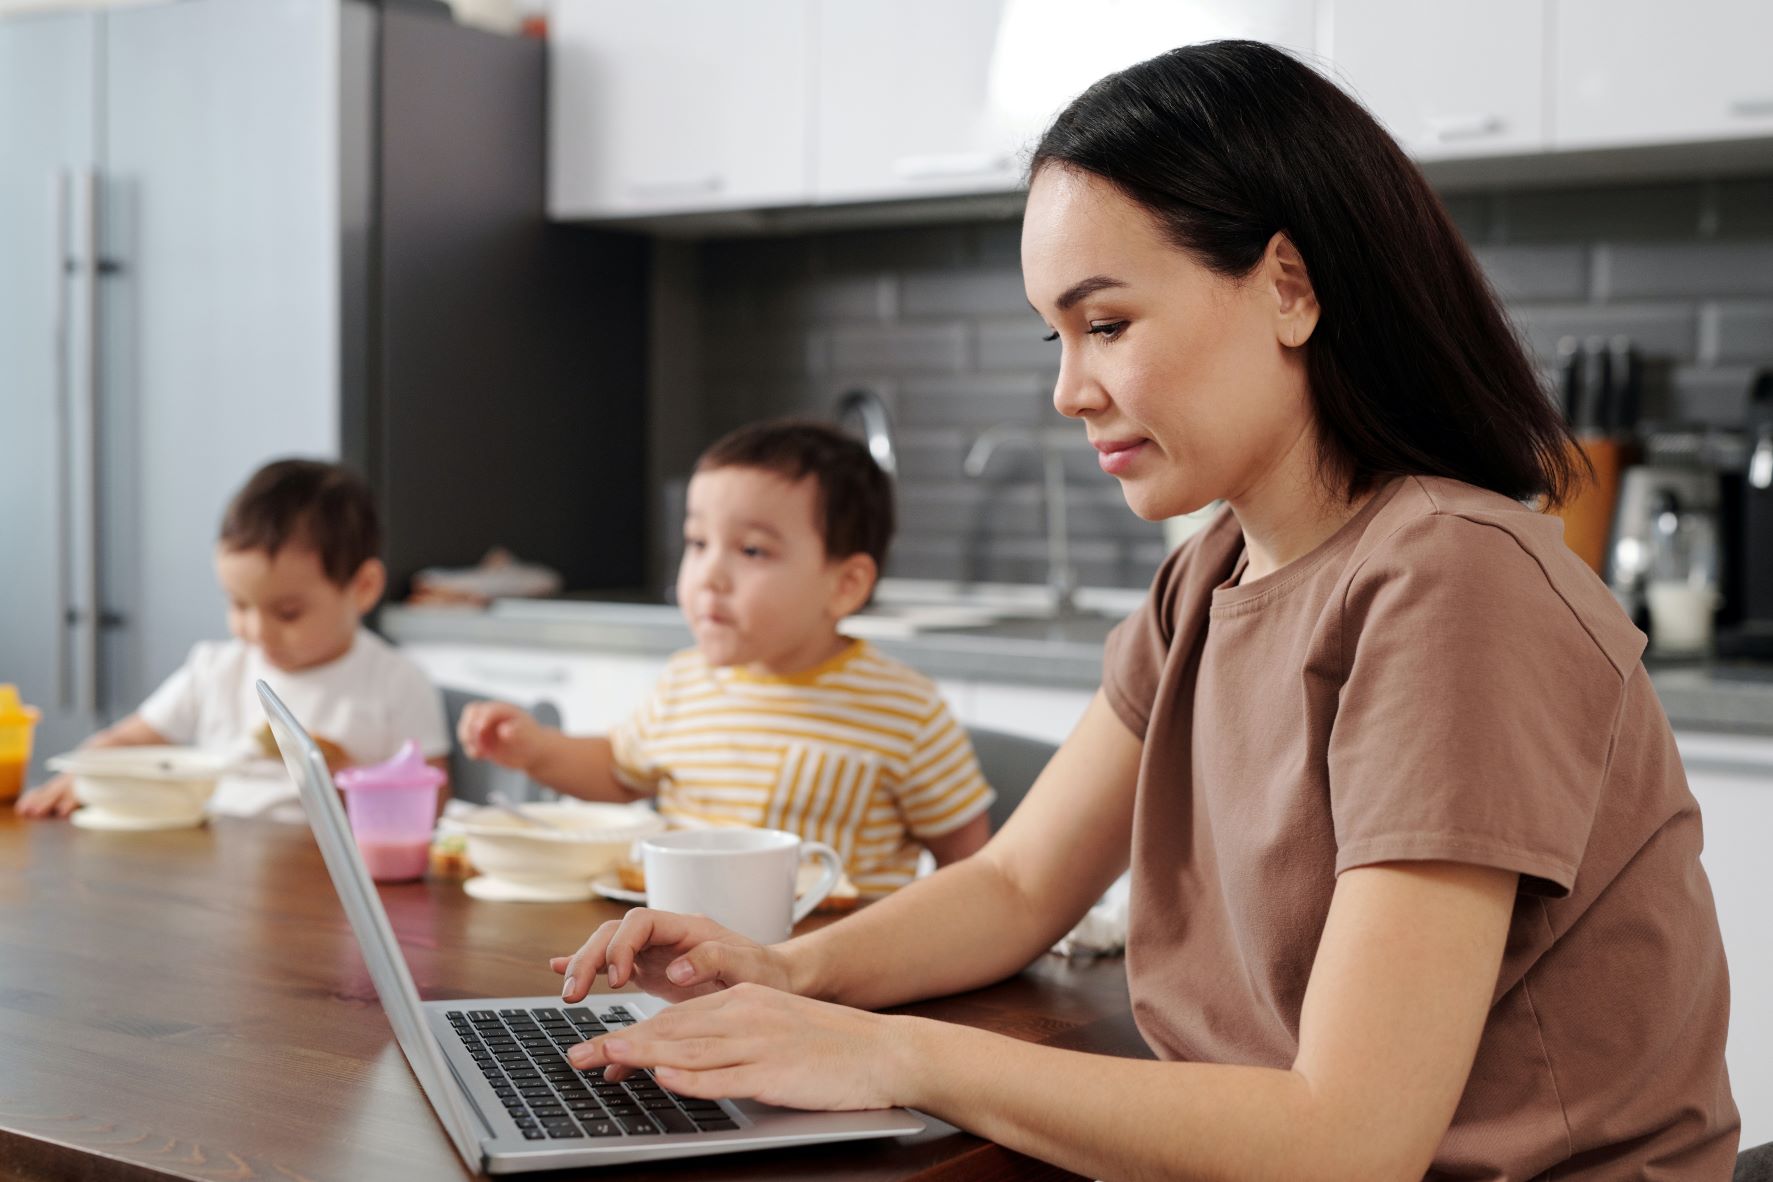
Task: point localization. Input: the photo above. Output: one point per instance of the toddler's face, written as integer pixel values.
(755, 583)
(287, 607)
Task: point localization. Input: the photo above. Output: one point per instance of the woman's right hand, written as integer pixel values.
(501, 732)
(52, 798)
(671, 956)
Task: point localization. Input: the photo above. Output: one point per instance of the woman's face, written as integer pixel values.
(1190, 384)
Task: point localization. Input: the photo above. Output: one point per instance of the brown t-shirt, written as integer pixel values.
(1441, 679)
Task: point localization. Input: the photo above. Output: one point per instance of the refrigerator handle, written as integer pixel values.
(84, 540)
(63, 626)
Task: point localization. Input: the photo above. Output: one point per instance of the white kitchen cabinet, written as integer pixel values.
(677, 105)
(592, 691)
(1732, 778)
(1447, 79)
(1043, 713)
(1647, 71)
(926, 97)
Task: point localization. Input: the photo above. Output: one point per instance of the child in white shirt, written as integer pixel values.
(297, 560)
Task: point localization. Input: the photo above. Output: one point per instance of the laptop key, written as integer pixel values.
(714, 1124)
(545, 1014)
(674, 1121)
(602, 1128)
(659, 1105)
(564, 1134)
(636, 1125)
(534, 1135)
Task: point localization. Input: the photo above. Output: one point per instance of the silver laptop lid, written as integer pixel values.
(363, 907)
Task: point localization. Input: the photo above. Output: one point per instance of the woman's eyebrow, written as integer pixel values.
(1086, 287)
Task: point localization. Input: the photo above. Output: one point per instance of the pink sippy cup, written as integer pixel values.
(392, 807)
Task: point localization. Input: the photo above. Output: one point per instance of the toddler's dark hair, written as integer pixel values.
(312, 503)
(855, 498)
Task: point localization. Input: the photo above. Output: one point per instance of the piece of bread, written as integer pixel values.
(336, 759)
(843, 897)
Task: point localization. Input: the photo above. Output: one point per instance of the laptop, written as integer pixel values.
(494, 1068)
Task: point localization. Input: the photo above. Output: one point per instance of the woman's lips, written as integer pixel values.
(1117, 455)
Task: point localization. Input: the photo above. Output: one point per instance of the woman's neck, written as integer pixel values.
(1290, 511)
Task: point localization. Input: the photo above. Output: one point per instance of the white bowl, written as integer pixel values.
(144, 787)
(593, 838)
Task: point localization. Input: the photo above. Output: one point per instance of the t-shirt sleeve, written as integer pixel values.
(1477, 713)
(415, 711)
(1133, 656)
(172, 708)
(943, 787)
(632, 755)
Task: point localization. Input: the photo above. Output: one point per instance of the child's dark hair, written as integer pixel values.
(855, 498)
(1414, 368)
(311, 503)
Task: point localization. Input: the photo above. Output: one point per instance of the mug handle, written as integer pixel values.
(804, 905)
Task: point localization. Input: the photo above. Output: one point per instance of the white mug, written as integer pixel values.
(740, 878)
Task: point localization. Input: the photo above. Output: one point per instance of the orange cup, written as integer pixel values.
(17, 724)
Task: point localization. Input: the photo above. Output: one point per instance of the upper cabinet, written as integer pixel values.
(704, 106)
(1447, 79)
(677, 105)
(1651, 71)
(928, 97)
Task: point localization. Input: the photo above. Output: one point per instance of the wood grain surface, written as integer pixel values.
(192, 1004)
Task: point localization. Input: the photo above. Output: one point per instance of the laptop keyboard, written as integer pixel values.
(522, 1053)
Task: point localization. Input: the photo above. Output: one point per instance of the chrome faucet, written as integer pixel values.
(1061, 578)
(877, 428)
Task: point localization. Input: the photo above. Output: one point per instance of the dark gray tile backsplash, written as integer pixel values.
(933, 319)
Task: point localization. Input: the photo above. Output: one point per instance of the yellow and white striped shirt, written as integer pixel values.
(860, 753)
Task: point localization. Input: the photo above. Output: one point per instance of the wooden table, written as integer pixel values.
(192, 1004)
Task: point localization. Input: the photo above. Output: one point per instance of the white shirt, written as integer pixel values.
(368, 701)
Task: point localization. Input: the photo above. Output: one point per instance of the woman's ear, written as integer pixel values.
(367, 585)
(853, 584)
(1295, 301)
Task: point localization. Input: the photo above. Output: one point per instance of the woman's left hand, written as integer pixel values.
(753, 1042)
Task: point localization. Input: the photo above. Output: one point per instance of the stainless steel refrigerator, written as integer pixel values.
(237, 229)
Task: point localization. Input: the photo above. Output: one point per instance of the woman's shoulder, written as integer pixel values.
(1443, 545)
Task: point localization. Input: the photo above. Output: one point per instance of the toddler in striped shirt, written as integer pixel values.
(776, 718)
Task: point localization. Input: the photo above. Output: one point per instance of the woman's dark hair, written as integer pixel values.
(323, 506)
(1414, 367)
(855, 498)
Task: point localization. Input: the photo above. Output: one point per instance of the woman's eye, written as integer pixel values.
(755, 552)
(1109, 329)
(1051, 336)
(693, 543)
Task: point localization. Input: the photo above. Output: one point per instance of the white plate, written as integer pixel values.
(609, 885)
(503, 890)
(94, 818)
(145, 763)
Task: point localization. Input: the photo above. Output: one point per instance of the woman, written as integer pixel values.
(1415, 876)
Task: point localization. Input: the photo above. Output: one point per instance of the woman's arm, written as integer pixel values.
(968, 924)
(1399, 992)
(960, 843)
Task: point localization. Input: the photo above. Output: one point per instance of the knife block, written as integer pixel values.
(1588, 515)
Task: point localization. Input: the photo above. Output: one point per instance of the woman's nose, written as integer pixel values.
(1075, 393)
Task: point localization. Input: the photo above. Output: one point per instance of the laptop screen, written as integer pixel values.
(375, 936)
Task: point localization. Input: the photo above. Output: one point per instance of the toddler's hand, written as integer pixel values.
(501, 732)
(52, 798)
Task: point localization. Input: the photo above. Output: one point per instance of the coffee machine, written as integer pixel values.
(1745, 627)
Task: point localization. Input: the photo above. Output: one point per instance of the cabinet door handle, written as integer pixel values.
(1752, 108)
(951, 165)
(1452, 128)
(554, 675)
(694, 187)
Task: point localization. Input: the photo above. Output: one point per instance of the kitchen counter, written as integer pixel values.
(1059, 654)
(1063, 654)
